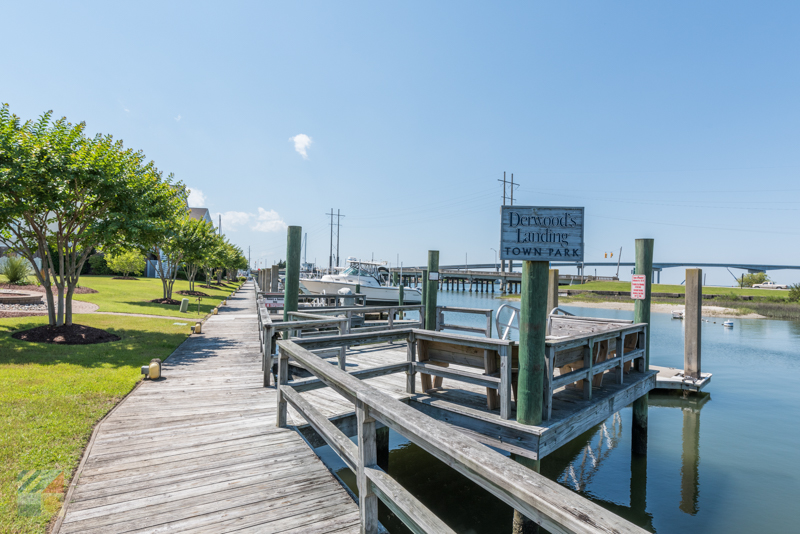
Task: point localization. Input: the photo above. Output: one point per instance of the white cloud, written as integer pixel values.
(265, 220)
(197, 199)
(231, 220)
(127, 110)
(301, 144)
(178, 118)
(269, 221)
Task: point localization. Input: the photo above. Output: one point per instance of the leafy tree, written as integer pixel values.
(213, 257)
(199, 239)
(62, 194)
(794, 293)
(750, 279)
(126, 262)
(99, 264)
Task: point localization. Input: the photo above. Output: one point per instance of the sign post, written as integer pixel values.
(641, 314)
(432, 284)
(537, 235)
(638, 283)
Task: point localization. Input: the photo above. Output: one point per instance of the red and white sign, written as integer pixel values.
(638, 283)
(273, 300)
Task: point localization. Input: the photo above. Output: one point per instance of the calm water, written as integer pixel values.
(725, 463)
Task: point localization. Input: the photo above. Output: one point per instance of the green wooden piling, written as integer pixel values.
(291, 283)
(532, 331)
(641, 314)
(433, 286)
(400, 300)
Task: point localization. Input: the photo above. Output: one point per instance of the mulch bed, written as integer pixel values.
(76, 334)
(40, 289)
(124, 278)
(166, 301)
(192, 293)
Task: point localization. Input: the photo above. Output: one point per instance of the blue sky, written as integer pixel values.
(678, 121)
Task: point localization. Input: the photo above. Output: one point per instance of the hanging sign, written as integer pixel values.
(541, 233)
(638, 283)
(433, 276)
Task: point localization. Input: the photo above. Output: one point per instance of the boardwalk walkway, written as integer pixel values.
(199, 451)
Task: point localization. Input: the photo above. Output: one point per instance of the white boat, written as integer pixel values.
(372, 277)
(728, 324)
(677, 314)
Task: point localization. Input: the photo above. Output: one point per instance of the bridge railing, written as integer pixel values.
(545, 502)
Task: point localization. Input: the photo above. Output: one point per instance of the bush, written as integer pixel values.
(126, 262)
(17, 270)
(749, 280)
(99, 265)
(794, 293)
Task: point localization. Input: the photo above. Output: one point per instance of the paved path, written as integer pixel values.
(199, 451)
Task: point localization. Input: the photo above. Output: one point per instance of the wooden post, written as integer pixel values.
(400, 300)
(291, 283)
(367, 456)
(552, 290)
(424, 293)
(641, 314)
(274, 278)
(692, 320)
(522, 524)
(532, 331)
(283, 378)
(430, 297)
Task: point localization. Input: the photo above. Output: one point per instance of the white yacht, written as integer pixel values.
(373, 277)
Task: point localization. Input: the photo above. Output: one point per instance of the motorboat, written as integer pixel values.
(371, 276)
(728, 324)
(677, 314)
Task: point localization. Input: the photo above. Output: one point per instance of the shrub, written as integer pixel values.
(17, 270)
(99, 265)
(749, 280)
(794, 293)
(126, 262)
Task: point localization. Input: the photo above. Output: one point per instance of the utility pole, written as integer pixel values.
(338, 226)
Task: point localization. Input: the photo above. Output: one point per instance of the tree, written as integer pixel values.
(750, 279)
(126, 262)
(213, 257)
(62, 194)
(200, 238)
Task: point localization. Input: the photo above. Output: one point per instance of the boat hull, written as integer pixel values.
(375, 295)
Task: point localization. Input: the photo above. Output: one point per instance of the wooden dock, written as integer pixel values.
(199, 450)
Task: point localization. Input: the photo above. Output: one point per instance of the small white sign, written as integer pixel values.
(433, 276)
(638, 283)
(273, 300)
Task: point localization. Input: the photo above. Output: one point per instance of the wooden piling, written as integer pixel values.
(424, 291)
(382, 445)
(522, 524)
(532, 331)
(291, 284)
(274, 279)
(400, 300)
(552, 290)
(692, 321)
(430, 297)
(641, 314)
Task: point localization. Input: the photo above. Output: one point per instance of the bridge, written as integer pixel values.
(657, 266)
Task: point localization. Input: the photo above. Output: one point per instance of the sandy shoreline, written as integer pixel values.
(708, 311)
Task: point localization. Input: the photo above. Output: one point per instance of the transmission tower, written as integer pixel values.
(335, 226)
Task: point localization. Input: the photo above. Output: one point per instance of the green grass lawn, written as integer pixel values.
(132, 296)
(666, 288)
(51, 396)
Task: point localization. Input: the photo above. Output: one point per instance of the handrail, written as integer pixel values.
(506, 329)
(440, 324)
(542, 500)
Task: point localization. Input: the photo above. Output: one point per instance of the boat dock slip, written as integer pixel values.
(199, 451)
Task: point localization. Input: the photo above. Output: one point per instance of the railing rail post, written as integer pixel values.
(367, 457)
(283, 378)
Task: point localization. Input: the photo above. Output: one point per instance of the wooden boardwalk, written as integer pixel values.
(198, 451)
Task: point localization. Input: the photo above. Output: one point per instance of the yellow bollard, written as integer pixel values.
(198, 328)
(215, 311)
(155, 369)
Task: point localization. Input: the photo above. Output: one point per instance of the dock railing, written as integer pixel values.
(542, 500)
(441, 325)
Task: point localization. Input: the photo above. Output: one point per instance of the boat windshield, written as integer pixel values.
(356, 270)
